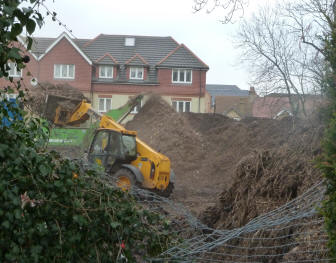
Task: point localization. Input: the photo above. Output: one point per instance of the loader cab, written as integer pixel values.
(110, 149)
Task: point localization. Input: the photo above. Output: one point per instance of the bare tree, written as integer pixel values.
(277, 60)
(315, 22)
(230, 7)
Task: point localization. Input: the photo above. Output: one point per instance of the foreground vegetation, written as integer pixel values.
(51, 209)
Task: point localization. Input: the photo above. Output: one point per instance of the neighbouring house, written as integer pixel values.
(231, 101)
(109, 69)
(277, 106)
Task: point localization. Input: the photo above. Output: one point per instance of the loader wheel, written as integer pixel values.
(167, 192)
(125, 179)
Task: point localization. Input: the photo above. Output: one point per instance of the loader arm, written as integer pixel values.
(154, 166)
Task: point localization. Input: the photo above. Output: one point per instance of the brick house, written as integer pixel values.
(277, 105)
(109, 69)
(231, 101)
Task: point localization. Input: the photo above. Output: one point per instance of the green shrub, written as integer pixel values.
(328, 160)
(53, 211)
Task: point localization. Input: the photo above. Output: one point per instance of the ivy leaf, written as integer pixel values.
(39, 19)
(115, 224)
(16, 30)
(31, 25)
(14, 53)
(8, 9)
(5, 224)
(17, 213)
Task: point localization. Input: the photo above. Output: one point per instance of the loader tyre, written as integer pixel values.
(125, 179)
(168, 191)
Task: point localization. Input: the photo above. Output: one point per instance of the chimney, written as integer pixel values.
(252, 91)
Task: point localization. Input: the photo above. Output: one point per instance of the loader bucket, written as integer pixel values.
(59, 109)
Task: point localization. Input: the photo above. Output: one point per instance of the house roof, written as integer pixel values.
(182, 57)
(40, 44)
(70, 40)
(149, 49)
(107, 59)
(225, 90)
(136, 60)
(268, 107)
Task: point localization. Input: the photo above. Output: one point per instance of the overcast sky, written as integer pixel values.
(201, 32)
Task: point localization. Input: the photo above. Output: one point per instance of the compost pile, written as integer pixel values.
(40, 99)
(257, 164)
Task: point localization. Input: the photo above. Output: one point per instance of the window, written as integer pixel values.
(129, 41)
(182, 76)
(106, 72)
(181, 105)
(105, 104)
(136, 73)
(137, 107)
(10, 97)
(13, 72)
(63, 71)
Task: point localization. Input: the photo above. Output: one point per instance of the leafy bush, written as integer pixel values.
(53, 211)
(328, 160)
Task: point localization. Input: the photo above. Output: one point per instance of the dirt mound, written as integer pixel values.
(209, 153)
(161, 127)
(231, 172)
(37, 98)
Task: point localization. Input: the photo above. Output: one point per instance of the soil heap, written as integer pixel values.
(211, 153)
(231, 172)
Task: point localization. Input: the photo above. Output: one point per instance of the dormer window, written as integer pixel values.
(129, 41)
(136, 73)
(106, 72)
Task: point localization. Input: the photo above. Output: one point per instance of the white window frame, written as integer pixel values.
(179, 71)
(129, 41)
(105, 68)
(137, 70)
(104, 107)
(184, 105)
(136, 108)
(67, 70)
(14, 73)
(10, 96)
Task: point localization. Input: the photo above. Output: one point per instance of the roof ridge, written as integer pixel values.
(109, 55)
(169, 54)
(127, 35)
(92, 40)
(174, 40)
(139, 56)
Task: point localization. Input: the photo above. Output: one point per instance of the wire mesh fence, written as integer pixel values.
(293, 232)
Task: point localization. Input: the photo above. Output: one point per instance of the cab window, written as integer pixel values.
(100, 143)
(129, 145)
